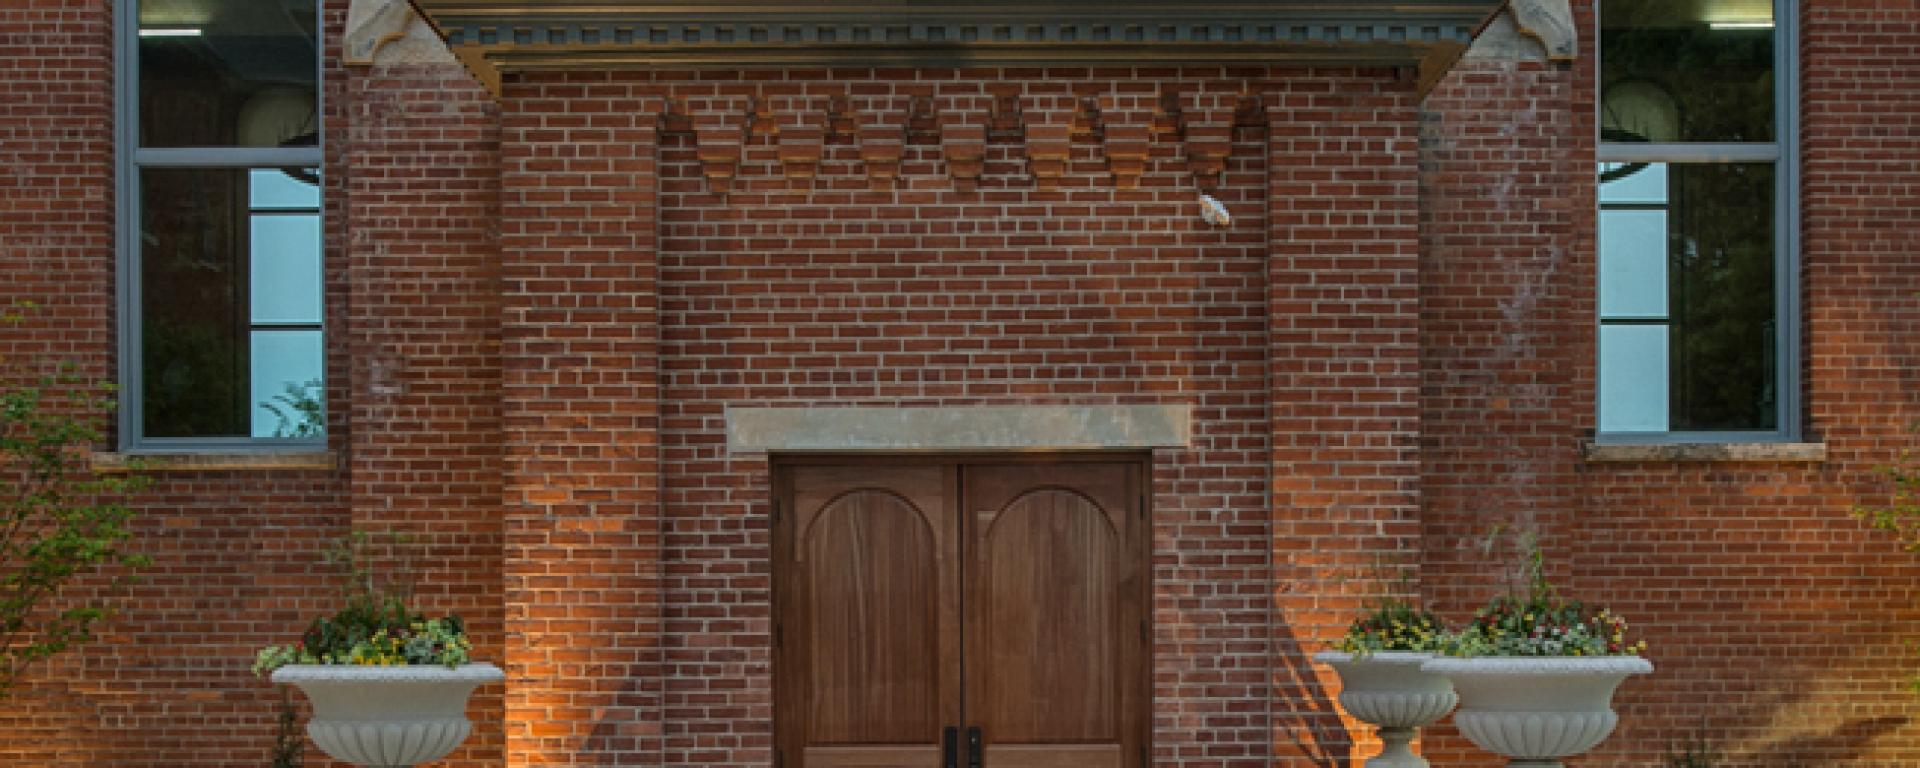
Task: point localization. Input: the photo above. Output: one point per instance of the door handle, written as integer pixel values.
(974, 756)
(950, 748)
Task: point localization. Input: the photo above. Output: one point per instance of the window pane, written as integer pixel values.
(287, 392)
(1686, 70)
(1633, 241)
(1722, 273)
(1701, 265)
(1633, 378)
(285, 278)
(282, 190)
(212, 270)
(226, 73)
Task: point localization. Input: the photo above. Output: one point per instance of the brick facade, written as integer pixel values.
(541, 305)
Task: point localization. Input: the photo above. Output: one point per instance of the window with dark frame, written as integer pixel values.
(221, 282)
(1696, 297)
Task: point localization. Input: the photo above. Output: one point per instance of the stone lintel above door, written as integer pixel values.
(973, 428)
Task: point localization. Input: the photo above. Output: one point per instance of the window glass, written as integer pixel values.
(228, 73)
(287, 379)
(1687, 70)
(1687, 258)
(230, 298)
(1633, 242)
(1633, 377)
(226, 311)
(284, 248)
(1722, 268)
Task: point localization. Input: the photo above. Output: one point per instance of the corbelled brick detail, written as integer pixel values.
(966, 282)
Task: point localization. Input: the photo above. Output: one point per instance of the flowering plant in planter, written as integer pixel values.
(388, 685)
(373, 632)
(1541, 624)
(1394, 625)
(1379, 661)
(375, 627)
(1536, 673)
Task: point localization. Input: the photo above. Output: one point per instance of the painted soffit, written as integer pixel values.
(493, 37)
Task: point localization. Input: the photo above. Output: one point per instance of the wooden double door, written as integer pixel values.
(961, 614)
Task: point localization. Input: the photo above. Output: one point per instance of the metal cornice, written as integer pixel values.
(495, 36)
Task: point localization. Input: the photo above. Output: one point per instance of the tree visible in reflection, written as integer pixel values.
(1722, 287)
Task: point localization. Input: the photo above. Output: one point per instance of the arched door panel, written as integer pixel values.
(925, 603)
(866, 616)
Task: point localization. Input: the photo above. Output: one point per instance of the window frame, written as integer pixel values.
(1784, 153)
(129, 159)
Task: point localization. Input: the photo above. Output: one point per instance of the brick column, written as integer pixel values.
(1343, 302)
(424, 449)
(580, 336)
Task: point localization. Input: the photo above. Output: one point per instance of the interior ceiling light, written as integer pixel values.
(169, 31)
(1762, 24)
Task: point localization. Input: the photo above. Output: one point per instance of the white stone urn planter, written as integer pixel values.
(1389, 691)
(1537, 709)
(388, 716)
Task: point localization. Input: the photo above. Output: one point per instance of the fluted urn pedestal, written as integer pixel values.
(388, 716)
(1389, 691)
(1536, 710)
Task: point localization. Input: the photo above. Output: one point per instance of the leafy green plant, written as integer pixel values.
(298, 410)
(289, 746)
(1695, 753)
(1394, 625)
(1390, 621)
(373, 627)
(57, 521)
(1900, 516)
(1534, 620)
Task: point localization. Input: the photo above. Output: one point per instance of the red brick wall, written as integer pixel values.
(580, 406)
(236, 556)
(422, 162)
(1777, 623)
(929, 291)
(1344, 377)
(541, 308)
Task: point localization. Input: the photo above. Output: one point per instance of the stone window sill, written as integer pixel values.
(1776, 453)
(210, 461)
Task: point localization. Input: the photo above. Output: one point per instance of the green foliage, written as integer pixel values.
(1541, 624)
(1391, 622)
(298, 410)
(1533, 620)
(1694, 753)
(1901, 515)
(289, 746)
(57, 522)
(374, 626)
(1394, 625)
